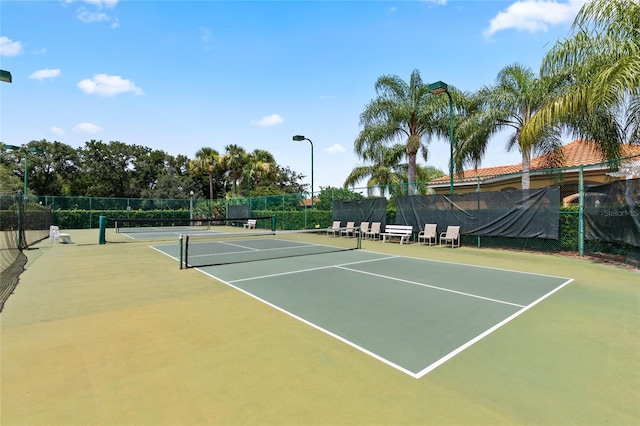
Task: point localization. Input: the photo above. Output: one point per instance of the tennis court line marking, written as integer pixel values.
(422, 372)
(486, 267)
(484, 334)
(237, 245)
(298, 271)
(317, 327)
(431, 286)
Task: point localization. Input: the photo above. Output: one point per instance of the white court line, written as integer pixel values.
(317, 327)
(298, 271)
(166, 254)
(486, 267)
(432, 286)
(481, 336)
(234, 245)
(422, 372)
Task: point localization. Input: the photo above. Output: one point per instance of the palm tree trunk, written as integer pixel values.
(211, 186)
(411, 189)
(235, 183)
(526, 167)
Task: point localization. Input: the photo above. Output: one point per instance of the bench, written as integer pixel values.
(251, 224)
(401, 231)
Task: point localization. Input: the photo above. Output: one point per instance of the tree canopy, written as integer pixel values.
(116, 169)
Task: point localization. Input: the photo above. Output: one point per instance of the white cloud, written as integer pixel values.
(108, 4)
(87, 128)
(88, 17)
(45, 73)
(335, 148)
(9, 47)
(95, 11)
(534, 15)
(56, 131)
(269, 121)
(108, 85)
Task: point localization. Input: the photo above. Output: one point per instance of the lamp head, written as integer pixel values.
(438, 87)
(5, 76)
(299, 138)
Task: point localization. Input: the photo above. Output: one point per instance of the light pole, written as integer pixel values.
(26, 156)
(299, 138)
(191, 205)
(437, 88)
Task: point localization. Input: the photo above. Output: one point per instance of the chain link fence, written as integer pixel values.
(23, 222)
(294, 211)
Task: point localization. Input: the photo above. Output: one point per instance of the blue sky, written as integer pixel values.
(182, 75)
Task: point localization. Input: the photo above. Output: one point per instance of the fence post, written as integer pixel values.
(581, 211)
(478, 211)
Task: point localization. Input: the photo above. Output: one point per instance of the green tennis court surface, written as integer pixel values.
(411, 314)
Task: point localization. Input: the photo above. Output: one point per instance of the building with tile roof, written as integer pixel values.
(577, 154)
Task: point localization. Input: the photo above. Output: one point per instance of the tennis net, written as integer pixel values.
(221, 249)
(178, 225)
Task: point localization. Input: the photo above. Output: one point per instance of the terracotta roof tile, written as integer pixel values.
(578, 152)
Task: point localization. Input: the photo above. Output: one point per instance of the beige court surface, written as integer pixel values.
(116, 334)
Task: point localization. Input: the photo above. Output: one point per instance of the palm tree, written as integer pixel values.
(603, 59)
(206, 161)
(401, 111)
(262, 167)
(233, 161)
(424, 175)
(383, 169)
(509, 105)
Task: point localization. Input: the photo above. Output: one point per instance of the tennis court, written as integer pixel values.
(411, 314)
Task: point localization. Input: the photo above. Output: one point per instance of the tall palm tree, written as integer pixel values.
(603, 58)
(206, 161)
(510, 104)
(401, 111)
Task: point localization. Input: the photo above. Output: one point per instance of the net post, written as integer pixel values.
(186, 251)
(359, 239)
(181, 246)
(102, 230)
